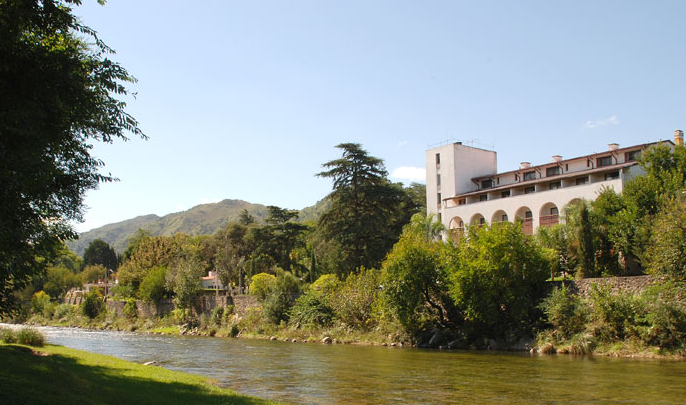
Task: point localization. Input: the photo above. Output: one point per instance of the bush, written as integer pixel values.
(131, 309)
(665, 315)
(217, 316)
(49, 310)
(7, 335)
(261, 285)
(565, 311)
(30, 337)
(310, 310)
(281, 298)
(38, 301)
(63, 310)
(92, 303)
(355, 302)
(152, 286)
(613, 313)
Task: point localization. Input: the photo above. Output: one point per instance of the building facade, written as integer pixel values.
(463, 186)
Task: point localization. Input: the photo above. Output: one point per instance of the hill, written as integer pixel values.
(204, 219)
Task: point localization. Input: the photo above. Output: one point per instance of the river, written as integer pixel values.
(302, 373)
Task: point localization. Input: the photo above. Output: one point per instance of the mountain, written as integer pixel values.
(204, 219)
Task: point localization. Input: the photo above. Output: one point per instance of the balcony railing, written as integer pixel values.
(549, 220)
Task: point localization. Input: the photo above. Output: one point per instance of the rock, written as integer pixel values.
(272, 338)
(152, 363)
(327, 340)
(384, 344)
(492, 344)
(394, 344)
(523, 344)
(400, 344)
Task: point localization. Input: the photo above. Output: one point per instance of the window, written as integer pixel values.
(462, 201)
(438, 179)
(553, 211)
(581, 180)
(505, 194)
(487, 184)
(528, 215)
(497, 180)
(552, 171)
(604, 161)
(612, 175)
(632, 156)
(482, 221)
(529, 176)
(566, 167)
(503, 218)
(438, 159)
(483, 197)
(555, 185)
(438, 196)
(530, 190)
(439, 217)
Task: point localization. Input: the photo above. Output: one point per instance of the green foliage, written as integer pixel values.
(131, 309)
(664, 318)
(217, 316)
(496, 279)
(39, 301)
(355, 302)
(59, 280)
(183, 279)
(367, 212)
(30, 337)
(7, 335)
(310, 310)
(613, 313)
(99, 252)
(666, 252)
(63, 311)
(59, 96)
(559, 255)
(282, 296)
(93, 303)
(93, 273)
(325, 286)
(152, 288)
(261, 285)
(415, 281)
(565, 311)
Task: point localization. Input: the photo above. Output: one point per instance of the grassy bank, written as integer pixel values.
(60, 375)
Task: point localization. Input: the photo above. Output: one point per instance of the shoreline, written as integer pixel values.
(537, 350)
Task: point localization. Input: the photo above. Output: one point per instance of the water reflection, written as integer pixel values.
(344, 374)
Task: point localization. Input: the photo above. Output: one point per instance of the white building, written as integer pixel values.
(464, 187)
(212, 281)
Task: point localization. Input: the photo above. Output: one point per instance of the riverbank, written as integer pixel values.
(59, 375)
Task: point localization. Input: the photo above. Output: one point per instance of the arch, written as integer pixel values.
(525, 215)
(477, 219)
(549, 215)
(456, 228)
(573, 201)
(499, 216)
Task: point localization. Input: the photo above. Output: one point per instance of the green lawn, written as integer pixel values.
(59, 375)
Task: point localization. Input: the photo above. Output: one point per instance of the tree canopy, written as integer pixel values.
(60, 93)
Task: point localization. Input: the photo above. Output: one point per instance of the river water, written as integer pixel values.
(302, 373)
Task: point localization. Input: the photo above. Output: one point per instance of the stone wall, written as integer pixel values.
(630, 285)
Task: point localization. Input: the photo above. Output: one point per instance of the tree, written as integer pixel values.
(100, 252)
(363, 216)
(59, 95)
(415, 282)
(497, 279)
(183, 279)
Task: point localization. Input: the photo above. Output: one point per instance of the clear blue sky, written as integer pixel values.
(246, 99)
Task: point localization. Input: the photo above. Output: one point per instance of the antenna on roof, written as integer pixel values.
(470, 142)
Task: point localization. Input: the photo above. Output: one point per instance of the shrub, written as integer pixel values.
(355, 302)
(325, 286)
(310, 310)
(49, 310)
(217, 316)
(281, 298)
(38, 301)
(152, 286)
(92, 303)
(63, 310)
(7, 335)
(30, 337)
(131, 309)
(614, 313)
(665, 250)
(565, 311)
(261, 285)
(665, 315)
